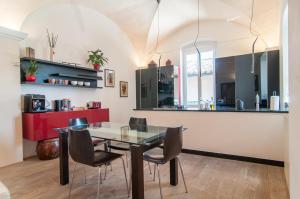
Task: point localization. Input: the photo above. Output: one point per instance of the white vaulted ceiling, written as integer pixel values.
(137, 18)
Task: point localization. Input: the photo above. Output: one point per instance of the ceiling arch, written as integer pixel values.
(137, 18)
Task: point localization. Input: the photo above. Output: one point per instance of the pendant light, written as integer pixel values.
(253, 45)
(157, 37)
(196, 39)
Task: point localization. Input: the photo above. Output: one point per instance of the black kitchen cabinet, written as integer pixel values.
(155, 87)
(166, 86)
(234, 79)
(147, 83)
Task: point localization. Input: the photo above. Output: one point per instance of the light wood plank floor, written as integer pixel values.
(207, 178)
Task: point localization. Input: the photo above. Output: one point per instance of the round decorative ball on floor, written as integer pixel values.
(47, 149)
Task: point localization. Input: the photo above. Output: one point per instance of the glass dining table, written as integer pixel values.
(139, 141)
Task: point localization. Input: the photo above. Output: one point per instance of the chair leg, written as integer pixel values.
(84, 168)
(130, 176)
(105, 172)
(161, 196)
(126, 159)
(99, 182)
(186, 190)
(149, 167)
(73, 175)
(125, 176)
(154, 172)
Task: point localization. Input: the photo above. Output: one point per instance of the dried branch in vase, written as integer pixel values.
(52, 40)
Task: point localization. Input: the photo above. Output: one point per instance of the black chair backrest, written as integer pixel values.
(173, 143)
(81, 146)
(78, 123)
(139, 124)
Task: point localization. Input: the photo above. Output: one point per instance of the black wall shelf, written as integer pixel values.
(48, 70)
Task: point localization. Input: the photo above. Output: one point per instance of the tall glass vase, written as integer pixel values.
(52, 52)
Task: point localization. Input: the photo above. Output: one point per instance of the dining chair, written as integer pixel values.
(172, 148)
(81, 123)
(82, 151)
(139, 124)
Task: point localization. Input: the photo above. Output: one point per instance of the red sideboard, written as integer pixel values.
(39, 126)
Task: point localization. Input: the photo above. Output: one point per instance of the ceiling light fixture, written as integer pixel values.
(233, 18)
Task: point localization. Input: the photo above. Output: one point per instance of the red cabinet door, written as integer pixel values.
(100, 115)
(40, 126)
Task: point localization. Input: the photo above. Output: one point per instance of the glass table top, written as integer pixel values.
(122, 132)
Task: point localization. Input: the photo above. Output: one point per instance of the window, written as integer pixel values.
(196, 87)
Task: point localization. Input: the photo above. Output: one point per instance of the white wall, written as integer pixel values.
(10, 112)
(258, 135)
(294, 85)
(81, 29)
(284, 79)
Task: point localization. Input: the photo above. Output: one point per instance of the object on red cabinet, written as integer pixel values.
(94, 105)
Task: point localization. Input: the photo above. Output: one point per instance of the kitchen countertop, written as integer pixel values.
(223, 109)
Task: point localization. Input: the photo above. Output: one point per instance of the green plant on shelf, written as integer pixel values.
(97, 58)
(32, 69)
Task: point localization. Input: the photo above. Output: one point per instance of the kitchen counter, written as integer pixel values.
(219, 109)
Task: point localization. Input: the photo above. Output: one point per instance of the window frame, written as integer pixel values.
(190, 49)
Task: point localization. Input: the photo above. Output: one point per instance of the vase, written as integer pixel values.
(96, 66)
(52, 52)
(47, 149)
(30, 78)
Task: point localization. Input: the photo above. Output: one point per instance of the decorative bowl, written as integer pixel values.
(80, 83)
(74, 83)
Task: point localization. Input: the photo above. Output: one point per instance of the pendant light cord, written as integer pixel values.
(158, 28)
(197, 37)
(254, 34)
(158, 32)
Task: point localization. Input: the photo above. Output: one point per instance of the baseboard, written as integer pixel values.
(235, 157)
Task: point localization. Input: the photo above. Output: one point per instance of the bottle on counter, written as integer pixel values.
(257, 101)
(201, 104)
(212, 104)
(274, 102)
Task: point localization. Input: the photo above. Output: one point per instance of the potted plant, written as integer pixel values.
(31, 71)
(97, 58)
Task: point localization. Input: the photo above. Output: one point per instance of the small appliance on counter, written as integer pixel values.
(94, 105)
(274, 102)
(240, 105)
(62, 105)
(57, 105)
(34, 103)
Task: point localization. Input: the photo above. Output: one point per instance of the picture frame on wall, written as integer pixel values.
(123, 89)
(109, 76)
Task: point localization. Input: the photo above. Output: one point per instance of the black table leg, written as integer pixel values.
(63, 158)
(138, 172)
(174, 172)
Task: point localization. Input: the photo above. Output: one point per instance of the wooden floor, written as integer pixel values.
(207, 178)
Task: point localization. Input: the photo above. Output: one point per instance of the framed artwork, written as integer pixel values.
(109, 78)
(123, 89)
